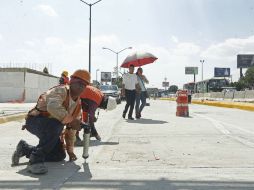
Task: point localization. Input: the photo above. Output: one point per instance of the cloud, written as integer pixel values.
(1, 37)
(63, 54)
(105, 39)
(230, 48)
(186, 49)
(47, 10)
(174, 39)
(54, 41)
(224, 54)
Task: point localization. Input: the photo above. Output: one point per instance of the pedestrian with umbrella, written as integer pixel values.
(138, 59)
(130, 85)
(142, 95)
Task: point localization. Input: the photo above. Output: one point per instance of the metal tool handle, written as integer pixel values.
(86, 142)
(86, 137)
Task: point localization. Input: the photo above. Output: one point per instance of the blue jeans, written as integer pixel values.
(48, 130)
(140, 97)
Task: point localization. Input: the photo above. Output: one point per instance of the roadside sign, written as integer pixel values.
(105, 76)
(245, 60)
(191, 70)
(165, 84)
(221, 72)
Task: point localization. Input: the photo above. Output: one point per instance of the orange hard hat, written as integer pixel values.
(82, 74)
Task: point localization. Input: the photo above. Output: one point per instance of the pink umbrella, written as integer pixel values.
(138, 59)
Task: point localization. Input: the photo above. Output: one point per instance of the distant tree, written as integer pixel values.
(249, 77)
(45, 70)
(247, 81)
(173, 89)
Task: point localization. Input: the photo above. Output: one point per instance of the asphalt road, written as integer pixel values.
(212, 149)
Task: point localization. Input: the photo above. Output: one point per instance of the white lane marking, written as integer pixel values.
(217, 124)
(221, 127)
(240, 129)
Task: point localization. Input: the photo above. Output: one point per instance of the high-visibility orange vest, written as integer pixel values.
(91, 93)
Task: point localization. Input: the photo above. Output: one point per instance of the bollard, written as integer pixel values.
(182, 108)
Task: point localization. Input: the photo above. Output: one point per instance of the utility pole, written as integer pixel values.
(202, 62)
(90, 21)
(117, 52)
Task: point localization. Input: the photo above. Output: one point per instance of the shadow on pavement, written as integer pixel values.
(162, 184)
(146, 121)
(97, 143)
(60, 177)
(58, 174)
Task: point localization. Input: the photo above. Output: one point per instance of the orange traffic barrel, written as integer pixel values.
(182, 108)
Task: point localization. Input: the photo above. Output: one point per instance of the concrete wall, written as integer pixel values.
(243, 96)
(229, 95)
(11, 86)
(36, 84)
(24, 86)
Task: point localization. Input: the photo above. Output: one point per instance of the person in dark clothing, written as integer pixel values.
(130, 85)
(57, 107)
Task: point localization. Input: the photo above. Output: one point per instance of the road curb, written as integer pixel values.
(241, 106)
(14, 117)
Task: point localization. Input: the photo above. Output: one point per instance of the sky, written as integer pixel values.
(55, 33)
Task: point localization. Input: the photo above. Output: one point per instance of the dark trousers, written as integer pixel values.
(189, 99)
(130, 96)
(93, 130)
(50, 148)
(140, 97)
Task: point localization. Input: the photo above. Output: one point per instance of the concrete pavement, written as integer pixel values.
(212, 149)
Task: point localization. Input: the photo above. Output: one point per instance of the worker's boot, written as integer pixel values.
(19, 152)
(98, 137)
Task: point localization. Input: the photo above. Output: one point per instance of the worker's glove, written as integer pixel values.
(75, 124)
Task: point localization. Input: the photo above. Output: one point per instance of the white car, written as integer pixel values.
(111, 90)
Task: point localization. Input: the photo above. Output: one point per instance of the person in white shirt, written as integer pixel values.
(130, 85)
(143, 94)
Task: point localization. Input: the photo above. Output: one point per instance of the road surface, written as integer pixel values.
(212, 149)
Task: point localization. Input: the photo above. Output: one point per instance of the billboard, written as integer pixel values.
(105, 76)
(165, 84)
(245, 60)
(191, 70)
(221, 72)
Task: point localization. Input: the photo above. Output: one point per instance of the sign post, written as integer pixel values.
(106, 77)
(191, 71)
(221, 72)
(244, 61)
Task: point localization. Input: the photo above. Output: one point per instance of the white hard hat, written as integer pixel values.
(111, 103)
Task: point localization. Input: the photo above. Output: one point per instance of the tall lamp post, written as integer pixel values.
(90, 5)
(202, 62)
(116, 52)
(96, 76)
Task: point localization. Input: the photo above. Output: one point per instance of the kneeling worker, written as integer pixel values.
(58, 107)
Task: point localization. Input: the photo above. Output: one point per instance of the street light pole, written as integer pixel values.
(96, 76)
(117, 52)
(90, 21)
(202, 62)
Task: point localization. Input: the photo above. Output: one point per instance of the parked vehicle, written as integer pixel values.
(111, 90)
(211, 85)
